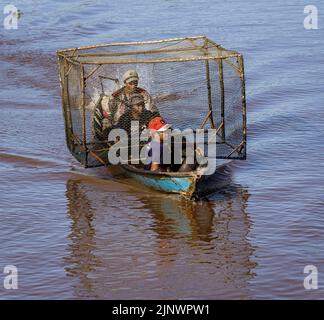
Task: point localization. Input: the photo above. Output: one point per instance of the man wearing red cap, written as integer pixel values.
(158, 128)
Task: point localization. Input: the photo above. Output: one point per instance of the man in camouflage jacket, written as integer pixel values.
(113, 107)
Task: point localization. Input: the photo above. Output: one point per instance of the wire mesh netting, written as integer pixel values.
(190, 82)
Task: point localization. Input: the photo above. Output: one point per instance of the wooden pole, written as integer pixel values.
(210, 106)
(131, 61)
(92, 72)
(62, 64)
(216, 132)
(97, 157)
(205, 120)
(222, 95)
(130, 43)
(236, 150)
(66, 101)
(129, 53)
(241, 62)
(83, 115)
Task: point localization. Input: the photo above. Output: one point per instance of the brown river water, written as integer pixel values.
(77, 233)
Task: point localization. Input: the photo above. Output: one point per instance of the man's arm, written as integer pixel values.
(149, 102)
(113, 104)
(155, 166)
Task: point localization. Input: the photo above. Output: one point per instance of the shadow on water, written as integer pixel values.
(183, 249)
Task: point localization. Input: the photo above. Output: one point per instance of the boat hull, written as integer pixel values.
(188, 184)
(182, 183)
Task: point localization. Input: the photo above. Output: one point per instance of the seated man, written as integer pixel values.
(112, 108)
(158, 129)
(137, 112)
(159, 144)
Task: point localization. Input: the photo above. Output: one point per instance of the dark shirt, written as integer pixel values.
(125, 120)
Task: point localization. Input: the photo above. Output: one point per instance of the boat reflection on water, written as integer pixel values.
(154, 246)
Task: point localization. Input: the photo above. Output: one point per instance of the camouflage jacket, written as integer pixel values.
(113, 107)
(118, 104)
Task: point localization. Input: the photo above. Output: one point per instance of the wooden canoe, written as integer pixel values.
(188, 184)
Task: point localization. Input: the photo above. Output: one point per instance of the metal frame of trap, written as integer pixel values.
(70, 57)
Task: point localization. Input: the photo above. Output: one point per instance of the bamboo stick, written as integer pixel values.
(66, 99)
(75, 62)
(206, 118)
(83, 115)
(214, 135)
(73, 52)
(119, 54)
(222, 95)
(62, 85)
(195, 45)
(97, 157)
(223, 49)
(92, 72)
(210, 57)
(210, 105)
(231, 146)
(231, 53)
(233, 66)
(131, 43)
(101, 150)
(78, 140)
(235, 150)
(70, 68)
(241, 61)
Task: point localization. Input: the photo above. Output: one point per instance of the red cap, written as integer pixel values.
(158, 124)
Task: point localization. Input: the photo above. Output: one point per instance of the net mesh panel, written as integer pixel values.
(231, 135)
(180, 91)
(233, 108)
(71, 99)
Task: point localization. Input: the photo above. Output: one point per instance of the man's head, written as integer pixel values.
(137, 104)
(130, 79)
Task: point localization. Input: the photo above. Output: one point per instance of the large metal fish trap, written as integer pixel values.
(194, 83)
